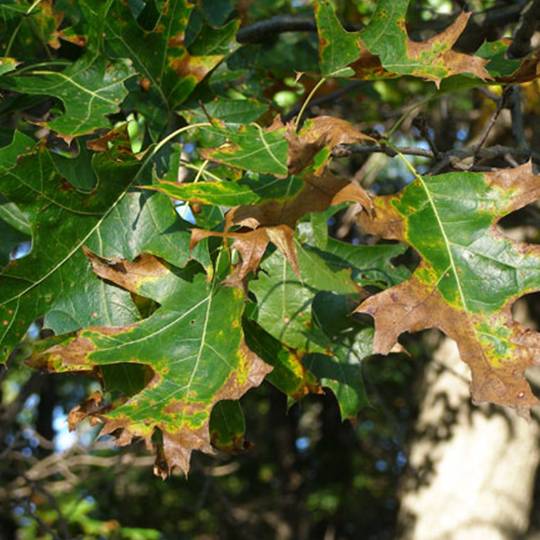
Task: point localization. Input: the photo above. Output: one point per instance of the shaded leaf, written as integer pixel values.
(90, 89)
(509, 70)
(289, 373)
(231, 111)
(61, 221)
(11, 238)
(370, 265)
(307, 317)
(159, 54)
(228, 427)
(284, 298)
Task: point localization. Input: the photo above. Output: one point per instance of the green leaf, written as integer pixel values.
(246, 191)
(89, 89)
(252, 148)
(217, 11)
(216, 41)
(11, 238)
(351, 344)
(193, 344)
(61, 220)
(284, 299)
(499, 65)
(311, 316)
(469, 277)
(370, 265)
(337, 47)
(14, 217)
(143, 223)
(77, 168)
(230, 111)
(289, 373)
(228, 427)
(7, 64)
(159, 54)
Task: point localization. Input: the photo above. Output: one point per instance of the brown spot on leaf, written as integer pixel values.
(145, 84)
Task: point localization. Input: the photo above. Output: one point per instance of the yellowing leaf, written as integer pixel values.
(469, 277)
(193, 344)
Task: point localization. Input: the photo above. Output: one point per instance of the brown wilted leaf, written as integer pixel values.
(318, 133)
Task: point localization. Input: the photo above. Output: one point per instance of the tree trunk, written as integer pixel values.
(472, 468)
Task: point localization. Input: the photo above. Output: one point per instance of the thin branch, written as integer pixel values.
(263, 30)
(420, 123)
(452, 156)
(521, 42)
(345, 151)
(500, 105)
(515, 104)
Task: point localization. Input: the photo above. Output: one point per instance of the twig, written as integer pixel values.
(420, 123)
(492, 152)
(263, 30)
(62, 524)
(491, 123)
(343, 151)
(515, 104)
(521, 43)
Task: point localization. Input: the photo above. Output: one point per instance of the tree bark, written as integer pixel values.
(472, 468)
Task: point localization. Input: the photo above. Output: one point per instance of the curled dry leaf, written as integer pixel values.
(469, 277)
(322, 132)
(251, 246)
(274, 221)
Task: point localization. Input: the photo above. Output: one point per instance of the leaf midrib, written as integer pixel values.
(445, 239)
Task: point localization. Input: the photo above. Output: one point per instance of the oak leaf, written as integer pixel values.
(383, 49)
(193, 344)
(469, 277)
